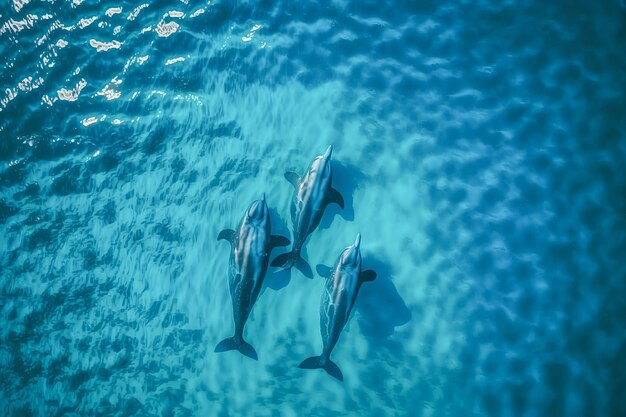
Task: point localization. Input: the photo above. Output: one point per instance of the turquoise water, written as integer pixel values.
(479, 147)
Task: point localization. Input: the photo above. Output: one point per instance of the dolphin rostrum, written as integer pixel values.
(342, 286)
(250, 244)
(313, 193)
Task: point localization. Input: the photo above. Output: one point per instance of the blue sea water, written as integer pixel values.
(480, 149)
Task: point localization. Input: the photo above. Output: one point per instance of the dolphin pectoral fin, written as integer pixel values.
(227, 234)
(335, 196)
(231, 343)
(315, 362)
(277, 240)
(293, 178)
(323, 270)
(367, 275)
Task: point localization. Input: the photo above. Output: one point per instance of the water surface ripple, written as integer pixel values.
(479, 147)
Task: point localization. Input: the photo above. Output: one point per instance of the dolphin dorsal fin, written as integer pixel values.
(277, 240)
(293, 178)
(335, 196)
(323, 270)
(227, 234)
(367, 275)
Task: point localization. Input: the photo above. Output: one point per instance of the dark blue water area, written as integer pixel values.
(479, 147)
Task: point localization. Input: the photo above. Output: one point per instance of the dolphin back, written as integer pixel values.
(315, 362)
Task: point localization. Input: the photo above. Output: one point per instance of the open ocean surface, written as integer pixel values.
(480, 147)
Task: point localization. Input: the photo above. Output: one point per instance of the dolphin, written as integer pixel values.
(342, 286)
(313, 193)
(250, 244)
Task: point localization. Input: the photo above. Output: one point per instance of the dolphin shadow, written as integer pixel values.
(279, 226)
(346, 179)
(381, 307)
(277, 278)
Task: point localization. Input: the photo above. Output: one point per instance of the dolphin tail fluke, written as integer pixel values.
(231, 343)
(303, 266)
(315, 362)
(284, 260)
(291, 259)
